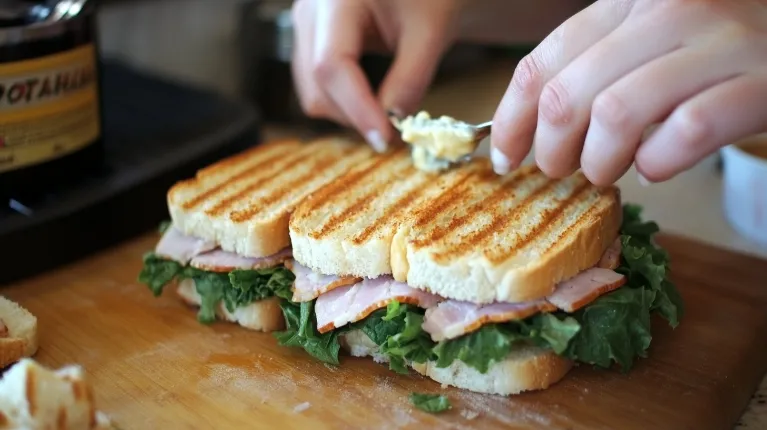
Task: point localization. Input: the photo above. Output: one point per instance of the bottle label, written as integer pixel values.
(49, 107)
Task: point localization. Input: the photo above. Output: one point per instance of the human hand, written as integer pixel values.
(617, 67)
(331, 35)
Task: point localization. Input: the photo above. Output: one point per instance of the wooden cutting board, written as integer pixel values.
(154, 366)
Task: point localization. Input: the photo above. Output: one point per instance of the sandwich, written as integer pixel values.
(228, 238)
(495, 284)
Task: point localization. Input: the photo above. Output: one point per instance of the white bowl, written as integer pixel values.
(745, 189)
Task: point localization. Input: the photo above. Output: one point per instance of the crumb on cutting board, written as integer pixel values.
(302, 407)
(469, 414)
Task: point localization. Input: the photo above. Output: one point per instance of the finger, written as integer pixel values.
(418, 53)
(723, 114)
(622, 112)
(567, 99)
(337, 69)
(515, 119)
(312, 98)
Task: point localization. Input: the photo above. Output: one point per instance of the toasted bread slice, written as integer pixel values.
(525, 369)
(467, 234)
(262, 315)
(18, 331)
(34, 397)
(243, 202)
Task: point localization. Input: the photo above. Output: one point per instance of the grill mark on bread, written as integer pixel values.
(477, 209)
(227, 202)
(212, 191)
(399, 207)
(426, 214)
(564, 233)
(496, 255)
(337, 221)
(236, 159)
(347, 181)
(61, 418)
(79, 390)
(320, 165)
(477, 239)
(30, 391)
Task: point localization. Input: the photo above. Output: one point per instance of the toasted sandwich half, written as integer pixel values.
(497, 284)
(228, 237)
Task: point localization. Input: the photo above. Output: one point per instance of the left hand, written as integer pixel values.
(618, 67)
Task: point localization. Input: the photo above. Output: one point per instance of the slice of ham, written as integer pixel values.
(177, 246)
(584, 288)
(352, 303)
(309, 284)
(611, 258)
(453, 318)
(224, 261)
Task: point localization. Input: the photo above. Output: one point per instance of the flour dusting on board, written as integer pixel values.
(504, 410)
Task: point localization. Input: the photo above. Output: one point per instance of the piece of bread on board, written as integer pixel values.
(243, 202)
(467, 234)
(33, 397)
(261, 315)
(19, 336)
(525, 369)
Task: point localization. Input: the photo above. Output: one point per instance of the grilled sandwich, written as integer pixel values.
(228, 238)
(496, 284)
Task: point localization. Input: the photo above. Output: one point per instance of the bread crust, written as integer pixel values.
(262, 315)
(22, 338)
(525, 369)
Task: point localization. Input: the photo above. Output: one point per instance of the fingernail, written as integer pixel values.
(643, 181)
(376, 140)
(501, 163)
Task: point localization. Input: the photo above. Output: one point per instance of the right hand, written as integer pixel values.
(331, 35)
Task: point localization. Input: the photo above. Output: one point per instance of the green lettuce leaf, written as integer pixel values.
(397, 332)
(212, 288)
(492, 343)
(301, 331)
(236, 288)
(412, 344)
(430, 402)
(615, 327)
(158, 272)
(248, 286)
(384, 323)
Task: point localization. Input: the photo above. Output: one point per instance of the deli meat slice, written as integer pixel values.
(611, 258)
(309, 284)
(352, 303)
(177, 246)
(584, 288)
(453, 318)
(224, 261)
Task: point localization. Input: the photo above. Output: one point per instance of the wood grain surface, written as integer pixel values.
(154, 367)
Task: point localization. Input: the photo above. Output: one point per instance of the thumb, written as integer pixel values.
(415, 63)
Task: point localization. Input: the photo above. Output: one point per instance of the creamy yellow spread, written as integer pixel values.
(436, 142)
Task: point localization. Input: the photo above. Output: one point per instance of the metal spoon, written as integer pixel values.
(479, 132)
